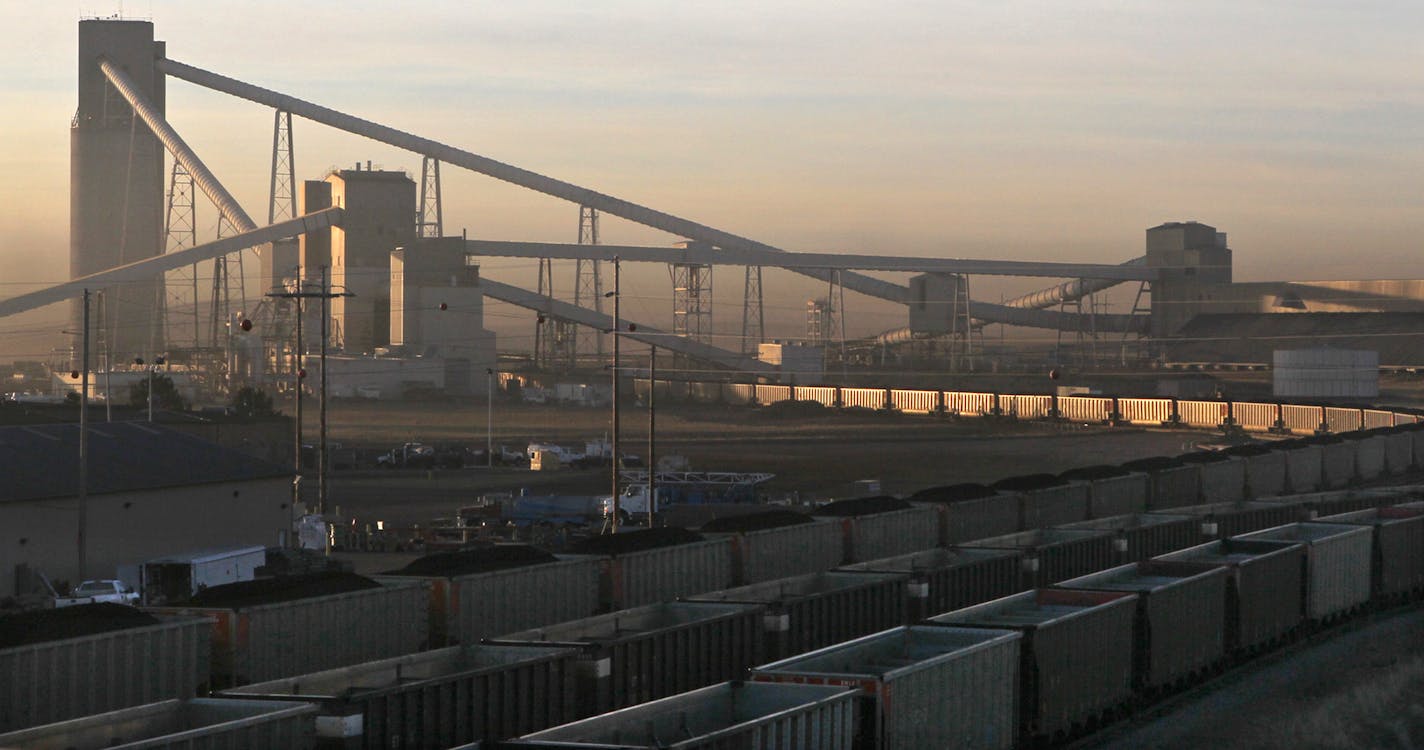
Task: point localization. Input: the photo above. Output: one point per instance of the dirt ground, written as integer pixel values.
(813, 458)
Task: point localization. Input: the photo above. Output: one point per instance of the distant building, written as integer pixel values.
(1325, 374)
(380, 217)
(437, 311)
(152, 491)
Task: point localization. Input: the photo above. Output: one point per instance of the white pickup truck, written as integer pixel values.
(103, 590)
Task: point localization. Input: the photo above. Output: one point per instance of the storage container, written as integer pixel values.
(635, 579)
(1370, 454)
(896, 532)
(926, 686)
(1265, 469)
(1181, 618)
(1316, 504)
(1337, 456)
(1339, 561)
(50, 681)
(1222, 477)
(1172, 483)
(1053, 555)
(740, 715)
(651, 652)
(197, 724)
(785, 551)
(268, 641)
(1139, 536)
(1398, 450)
(970, 511)
(529, 596)
(1051, 506)
(807, 612)
(1118, 495)
(1266, 600)
(437, 698)
(1398, 569)
(1305, 465)
(944, 579)
(1222, 520)
(1077, 654)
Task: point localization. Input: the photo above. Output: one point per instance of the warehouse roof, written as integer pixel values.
(42, 461)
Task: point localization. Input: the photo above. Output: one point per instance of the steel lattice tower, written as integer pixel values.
(283, 201)
(180, 231)
(753, 321)
(691, 300)
(588, 284)
(429, 223)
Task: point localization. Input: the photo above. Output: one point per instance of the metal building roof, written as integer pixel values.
(42, 461)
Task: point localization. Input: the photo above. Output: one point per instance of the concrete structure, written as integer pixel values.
(1325, 374)
(116, 184)
(1187, 256)
(807, 364)
(152, 491)
(939, 304)
(381, 206)
(385, 377)
(437, 311)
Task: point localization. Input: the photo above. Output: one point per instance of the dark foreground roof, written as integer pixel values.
(1252, 337)
(42, 461)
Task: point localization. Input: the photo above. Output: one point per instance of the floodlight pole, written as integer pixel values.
(84, 446)
(617, 335)
(489, 417)
(652, 431)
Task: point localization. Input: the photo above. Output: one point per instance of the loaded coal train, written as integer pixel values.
(1184, 559)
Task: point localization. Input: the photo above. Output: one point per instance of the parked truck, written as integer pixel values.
(101, 590)
(178, 577)
(688, 488)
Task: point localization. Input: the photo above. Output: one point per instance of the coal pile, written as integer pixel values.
(1029, 482)
(1091, 473)
(954, 493)
(1323, 440)
(1204, 457)
(1153, 463)
(44, 625)
(469, 561)
(772, 519)
(862, 506)
(634, 541)
(282, 589)
(1247, 449)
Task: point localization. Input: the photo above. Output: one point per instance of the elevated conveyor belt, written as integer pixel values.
(645, 334)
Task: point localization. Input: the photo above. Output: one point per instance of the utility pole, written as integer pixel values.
(489, 417)
(325, 295)
(652, 431)
(617, 334)
(84, 446)
(299, 373)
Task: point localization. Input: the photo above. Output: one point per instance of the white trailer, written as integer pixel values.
(177, 577)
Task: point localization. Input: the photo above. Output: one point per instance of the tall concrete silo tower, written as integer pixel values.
(116, 185)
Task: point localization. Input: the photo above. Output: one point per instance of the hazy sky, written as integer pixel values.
(1022, 130)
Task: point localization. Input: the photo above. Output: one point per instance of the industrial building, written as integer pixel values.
(374, 237)
(151, 491)
(116, 185)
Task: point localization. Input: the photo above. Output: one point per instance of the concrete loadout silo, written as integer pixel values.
(116, 184)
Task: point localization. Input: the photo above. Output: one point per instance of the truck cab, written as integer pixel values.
(99, 590)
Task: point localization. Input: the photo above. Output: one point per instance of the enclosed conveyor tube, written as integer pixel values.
(146, 268)
(522, 177)
(202, 176)
(1068, 291)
